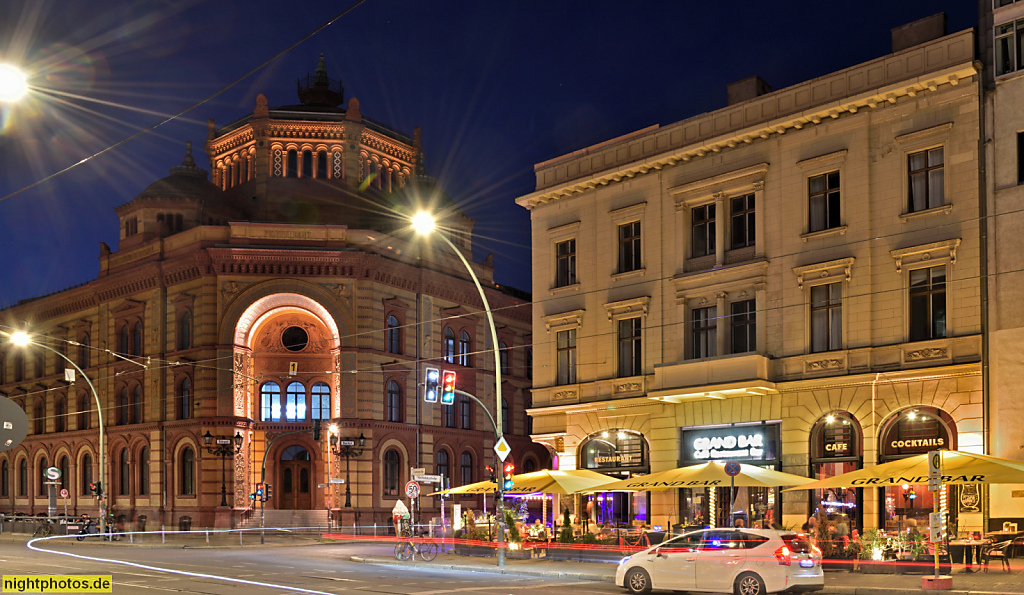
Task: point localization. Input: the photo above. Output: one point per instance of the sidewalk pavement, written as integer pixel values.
(840, 582)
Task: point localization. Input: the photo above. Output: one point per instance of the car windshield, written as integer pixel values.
(686, 540)
(797, 543)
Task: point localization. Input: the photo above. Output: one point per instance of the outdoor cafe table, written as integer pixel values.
(967, 550)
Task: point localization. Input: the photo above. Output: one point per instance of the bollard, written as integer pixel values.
(131, 538)
(163, 534)
(207, 537)
(374, 528)
(239, 538)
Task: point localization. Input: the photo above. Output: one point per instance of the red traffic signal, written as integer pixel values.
(508, 469)
(448, 388)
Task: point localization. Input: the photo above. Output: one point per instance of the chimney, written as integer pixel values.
(747, 88)
(918, 32)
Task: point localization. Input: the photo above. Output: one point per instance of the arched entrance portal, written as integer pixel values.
(295, 474)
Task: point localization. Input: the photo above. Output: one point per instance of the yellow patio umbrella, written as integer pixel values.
(958, 467)
(701, 476)
(556, 482)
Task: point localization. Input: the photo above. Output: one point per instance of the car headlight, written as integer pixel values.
(624, 560)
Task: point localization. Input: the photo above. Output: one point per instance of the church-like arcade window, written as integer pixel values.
(85, 473)
(321, 165)
(270, 402)
(392, 470)
(465, 344)
(321, 394)
(60, 413)
(394, 403)
(125, 474)
(122, 407)
(449, 345)
(307, 164)
(187, 472)
(185, 331)
(137, 405)
(184, 409)
(143, 481)
(295, 406)
(394, 335)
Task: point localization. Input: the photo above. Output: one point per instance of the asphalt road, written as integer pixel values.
(321, 568)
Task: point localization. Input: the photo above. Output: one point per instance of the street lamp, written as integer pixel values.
(23, 339)
(424, 224)
(225, 447)
(349, 450)
(12, 83)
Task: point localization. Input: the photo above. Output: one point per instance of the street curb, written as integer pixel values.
(583, 576)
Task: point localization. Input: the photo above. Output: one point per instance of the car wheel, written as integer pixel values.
(637, 581)
(749, 583)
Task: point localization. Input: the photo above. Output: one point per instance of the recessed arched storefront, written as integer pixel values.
(909, 432)
(620, 454)
(752, 444)
(837, 447)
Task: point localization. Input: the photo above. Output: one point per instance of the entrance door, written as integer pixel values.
(295, 472)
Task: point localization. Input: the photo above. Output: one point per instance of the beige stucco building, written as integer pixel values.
(792, 281)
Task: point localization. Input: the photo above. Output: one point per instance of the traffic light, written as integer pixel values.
(490, 472)
(95, 488)
(270, 491)
(448, 388)
(259, 491)
(509, 469)
(430, 386)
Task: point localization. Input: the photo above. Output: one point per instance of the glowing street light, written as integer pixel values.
(424, 224)
(12, 83)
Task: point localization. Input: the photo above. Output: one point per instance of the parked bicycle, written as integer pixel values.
(43, 530)
(407, 550)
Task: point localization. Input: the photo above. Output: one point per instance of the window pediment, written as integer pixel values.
(626, 308)
(828, 160)
(730, 183)
(926, 134)
(830, 270)
(564, 320)
(933, 253)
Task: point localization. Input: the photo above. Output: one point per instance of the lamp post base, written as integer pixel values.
(937, 583)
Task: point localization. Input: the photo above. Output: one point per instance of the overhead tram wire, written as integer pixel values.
(173, 117)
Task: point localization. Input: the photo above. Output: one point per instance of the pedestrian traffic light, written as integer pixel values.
(270, 492)
(433, 377)
(509, 469)
(259, 491)
(448, 388)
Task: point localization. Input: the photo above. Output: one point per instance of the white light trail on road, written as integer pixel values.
(228, 579)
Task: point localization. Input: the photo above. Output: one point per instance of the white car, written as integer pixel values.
(743, 561)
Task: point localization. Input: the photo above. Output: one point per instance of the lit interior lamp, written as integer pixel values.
(912, 415)
(830, 419)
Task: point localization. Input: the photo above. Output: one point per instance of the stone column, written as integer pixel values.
(722, 325)
(721, 221)
(759, 215)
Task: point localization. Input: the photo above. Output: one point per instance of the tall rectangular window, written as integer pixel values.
(629, 247)
(702, 225)
(565, 263)
(823, 201)
(630, 347)
(927, 186)
(704, 332)
(743, 319)
(566, 357)
(826, 317)
(928, 303)
(1009, 47)
(465, 414)
(742, 208)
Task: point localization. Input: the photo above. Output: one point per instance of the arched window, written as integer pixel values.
(5, 479)
(85, 472)
(124, 474)
(187, 472)
(83, 352)
(40, 417)
(122, 407)
(392, 468)
(84, 407)
(321, 165)
(137, 339)
(321, 401)
(43, 464)
(503, 356)
(295, 408)
(293, 164)
(394, 336)
(185, 398)
(123, 341)
(137, 405)
(464, 346)
(504, 415)
(65, 479)
(143, 482)
(243, 172)
(23, 478)
(466, 468)
(394, 404)
(449, 345)
(307, 164)
(60, 414)
(441, 466)
(270, 402)
(185, 331)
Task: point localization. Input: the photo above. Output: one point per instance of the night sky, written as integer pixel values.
(495, 86)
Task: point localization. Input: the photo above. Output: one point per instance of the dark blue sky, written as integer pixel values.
(496, 87)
